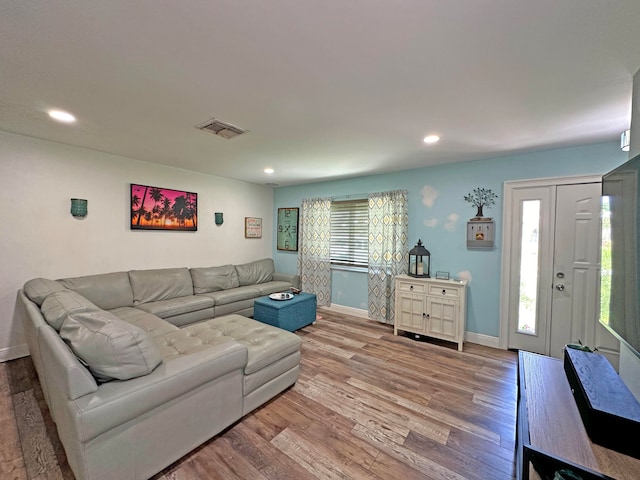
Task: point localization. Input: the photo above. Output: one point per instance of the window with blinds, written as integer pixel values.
(350, 232)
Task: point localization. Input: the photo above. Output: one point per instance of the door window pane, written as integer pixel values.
(605, 262)
(529, 266)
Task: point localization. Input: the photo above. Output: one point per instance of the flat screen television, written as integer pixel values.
(620, 262)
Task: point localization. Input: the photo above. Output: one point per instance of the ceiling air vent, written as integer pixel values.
(222, 129)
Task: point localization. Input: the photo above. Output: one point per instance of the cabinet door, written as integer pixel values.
(411, 313)
(442, 317)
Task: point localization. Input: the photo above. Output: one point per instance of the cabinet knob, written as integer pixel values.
(411, 287)
(425, 315)
(444, 291)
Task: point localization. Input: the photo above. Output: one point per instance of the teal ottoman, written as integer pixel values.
(291, 315)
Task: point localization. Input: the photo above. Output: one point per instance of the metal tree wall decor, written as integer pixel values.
(481, 197)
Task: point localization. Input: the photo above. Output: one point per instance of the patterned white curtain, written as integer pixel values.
(388, 250)
(314, 261)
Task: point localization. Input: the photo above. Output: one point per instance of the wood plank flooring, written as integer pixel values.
(367, 405)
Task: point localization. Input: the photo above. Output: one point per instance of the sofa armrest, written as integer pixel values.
(66, 378)
(292, 278)
(118, 402)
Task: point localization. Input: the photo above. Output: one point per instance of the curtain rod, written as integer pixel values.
(350, 196)
(360, 195)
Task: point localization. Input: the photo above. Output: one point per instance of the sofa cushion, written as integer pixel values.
(224, 297)
(111, 348)
(177, 306)
(186, 341)
(255, 380)
(268, 288)
(212, 279)
(152, 324)
(38, 289)
(265, 344)
(107, 290)
(160, 284)
(255, 272)
(58, 305)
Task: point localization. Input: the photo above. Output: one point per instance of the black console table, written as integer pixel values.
(550, 434)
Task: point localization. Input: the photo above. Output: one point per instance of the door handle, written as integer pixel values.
(560, 287)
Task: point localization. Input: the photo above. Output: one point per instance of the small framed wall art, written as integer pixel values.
(252, 227)
(287, 234)
(442, 275)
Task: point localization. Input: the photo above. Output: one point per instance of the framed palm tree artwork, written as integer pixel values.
(155, 208)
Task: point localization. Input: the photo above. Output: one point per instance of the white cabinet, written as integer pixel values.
(431, 307)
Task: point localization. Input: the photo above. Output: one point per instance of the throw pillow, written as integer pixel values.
(58, 305)
(111, 348)
(38, 289)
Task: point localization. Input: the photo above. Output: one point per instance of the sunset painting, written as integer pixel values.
(154, 208)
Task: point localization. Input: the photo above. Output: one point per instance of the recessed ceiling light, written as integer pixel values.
(61, 116)
(268, 170)
(431, 139)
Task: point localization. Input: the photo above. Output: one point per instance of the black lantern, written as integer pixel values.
(419, 261)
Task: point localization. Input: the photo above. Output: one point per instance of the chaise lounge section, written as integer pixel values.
(137, 375)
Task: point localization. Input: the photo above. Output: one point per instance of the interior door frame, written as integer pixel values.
(507, 235)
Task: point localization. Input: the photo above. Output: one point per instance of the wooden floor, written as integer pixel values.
(367, 405)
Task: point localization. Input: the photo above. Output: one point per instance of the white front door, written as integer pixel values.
(552, 295)
(576, 266)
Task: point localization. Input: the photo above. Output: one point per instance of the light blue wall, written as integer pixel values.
(442, 224)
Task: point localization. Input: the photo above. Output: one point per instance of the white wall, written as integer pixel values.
(40, 238)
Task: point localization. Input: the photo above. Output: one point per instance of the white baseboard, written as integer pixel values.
(477, 338)
(356, 312)
(480, 339)
(12, 353)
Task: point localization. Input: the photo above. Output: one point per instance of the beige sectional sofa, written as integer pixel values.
(140, 367)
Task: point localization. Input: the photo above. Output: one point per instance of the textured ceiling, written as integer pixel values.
(327, 89)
